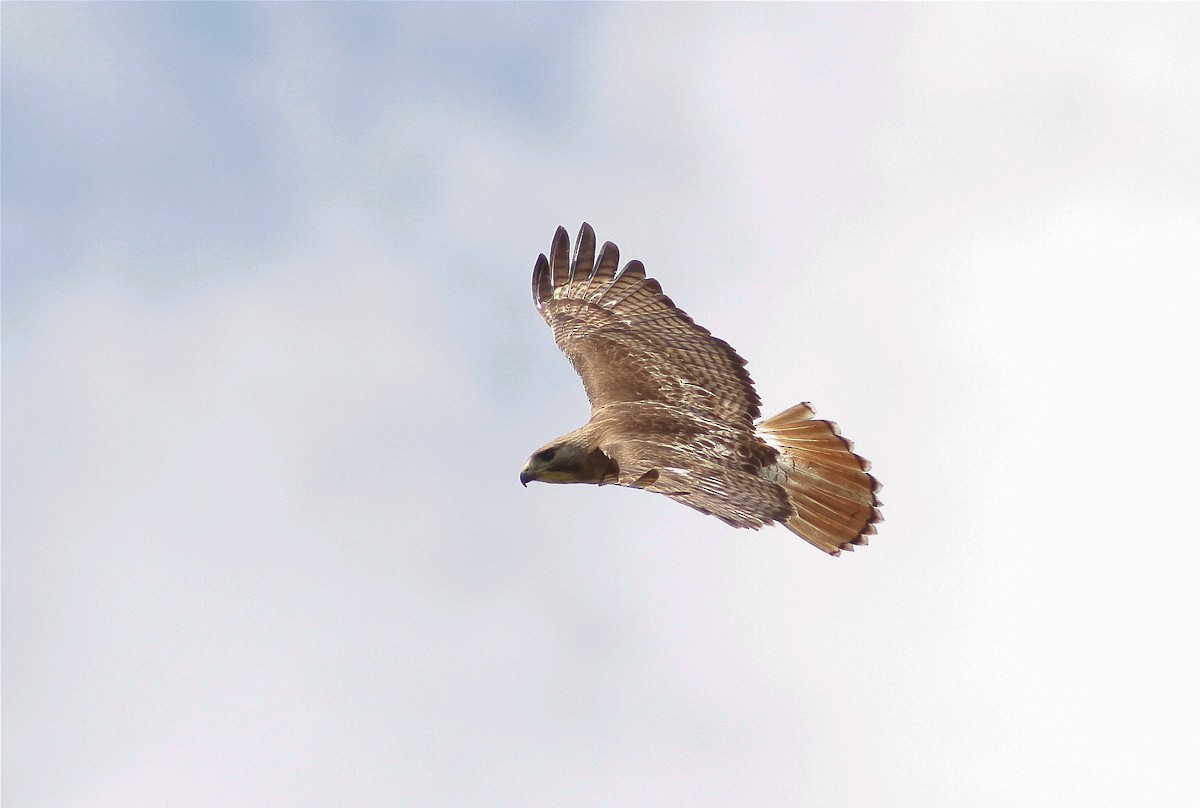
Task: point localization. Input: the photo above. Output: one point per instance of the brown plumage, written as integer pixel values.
(674, 411)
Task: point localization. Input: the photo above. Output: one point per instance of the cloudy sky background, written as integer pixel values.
(270, 371)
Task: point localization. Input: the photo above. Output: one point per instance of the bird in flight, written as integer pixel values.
(675, 412)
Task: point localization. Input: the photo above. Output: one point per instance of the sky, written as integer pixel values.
(271, 370)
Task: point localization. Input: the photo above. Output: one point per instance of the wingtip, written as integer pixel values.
(605, 268)
(636, 270)
(585, 252)
(560, 256)
(541, 280)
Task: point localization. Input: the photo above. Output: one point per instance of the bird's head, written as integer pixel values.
(567, 461)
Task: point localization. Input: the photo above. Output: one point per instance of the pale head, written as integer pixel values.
(569, 460)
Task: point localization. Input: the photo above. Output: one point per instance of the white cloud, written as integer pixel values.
(244, 567)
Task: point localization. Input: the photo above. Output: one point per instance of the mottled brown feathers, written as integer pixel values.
(629, 342)
(673, 407)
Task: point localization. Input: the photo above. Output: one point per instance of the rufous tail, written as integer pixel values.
(829, 486)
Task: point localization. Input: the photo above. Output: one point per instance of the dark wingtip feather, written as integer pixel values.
(542, 287)
(585, 253)
(560, 257)
(606, 265)
(634, 269)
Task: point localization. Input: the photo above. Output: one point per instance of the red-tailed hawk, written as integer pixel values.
(673, 410)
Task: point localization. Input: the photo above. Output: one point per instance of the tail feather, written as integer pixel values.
(827, 483)
(846, 486)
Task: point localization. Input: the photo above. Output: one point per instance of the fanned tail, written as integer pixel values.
(828, 484)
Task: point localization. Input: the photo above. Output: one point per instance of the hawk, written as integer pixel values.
(675, 412)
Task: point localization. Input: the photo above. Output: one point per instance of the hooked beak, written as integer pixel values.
(526, 478)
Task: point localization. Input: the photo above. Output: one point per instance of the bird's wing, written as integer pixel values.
(629, 342)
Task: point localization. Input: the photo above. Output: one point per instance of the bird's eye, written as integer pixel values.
(546, 455)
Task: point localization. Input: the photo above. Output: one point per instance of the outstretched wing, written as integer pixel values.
(629, 342)
(673, 403)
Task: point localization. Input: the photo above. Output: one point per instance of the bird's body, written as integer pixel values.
(674, 411)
